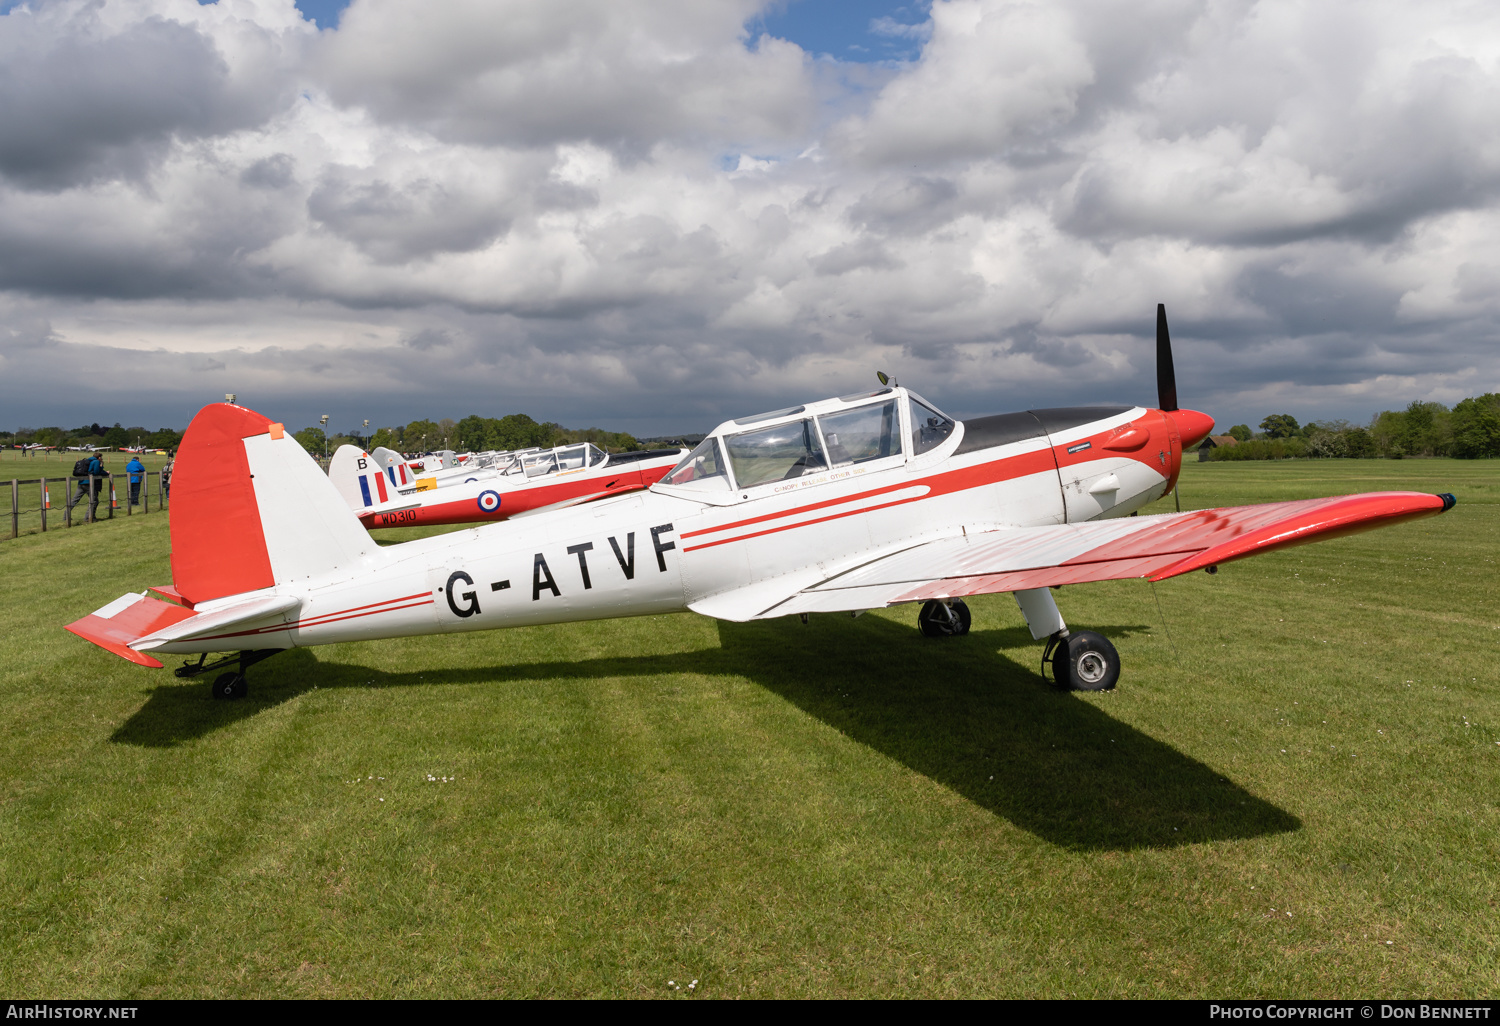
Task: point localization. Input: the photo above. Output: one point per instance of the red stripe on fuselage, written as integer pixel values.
(353, 613)
(518, 500)
(1022, 465)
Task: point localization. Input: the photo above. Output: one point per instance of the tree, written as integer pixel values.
(421, 435)
(1240, 433)
(1360, 445)
(312, 439)
(1280, 425)
(1476, 427)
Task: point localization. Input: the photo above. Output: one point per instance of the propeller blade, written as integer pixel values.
(1166, 376)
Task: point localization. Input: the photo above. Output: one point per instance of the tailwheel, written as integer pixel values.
(230, 685)
(939, 619)
(1084, 661)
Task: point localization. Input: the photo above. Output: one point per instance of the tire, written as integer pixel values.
(934, 622)
(230, 686)
(1086, 661)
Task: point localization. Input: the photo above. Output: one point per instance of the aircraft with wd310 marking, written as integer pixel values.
(509, 485)
(839, 506)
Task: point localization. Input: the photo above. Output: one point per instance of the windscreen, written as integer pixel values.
(703, 468)
(929, 428)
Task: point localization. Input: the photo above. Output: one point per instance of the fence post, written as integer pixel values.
(93, 513)
(145, 491)
(68, 503)
(45, 500)
(15, 508)
(111, 479)
(127, 493)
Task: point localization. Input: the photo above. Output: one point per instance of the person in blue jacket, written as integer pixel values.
(137, 471)
(92, 467)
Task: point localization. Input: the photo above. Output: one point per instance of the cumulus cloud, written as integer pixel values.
(630, 210)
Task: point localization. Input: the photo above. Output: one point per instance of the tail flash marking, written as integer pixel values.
(380, 484)
(364, 488)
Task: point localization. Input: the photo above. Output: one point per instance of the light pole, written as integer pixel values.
(324, 421)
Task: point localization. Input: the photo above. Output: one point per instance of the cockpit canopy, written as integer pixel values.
(879, 428)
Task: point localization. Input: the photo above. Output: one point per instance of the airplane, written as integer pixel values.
(89, 448)
(859, 502)
(512, 485)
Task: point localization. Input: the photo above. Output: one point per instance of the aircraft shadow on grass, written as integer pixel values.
(956, 710)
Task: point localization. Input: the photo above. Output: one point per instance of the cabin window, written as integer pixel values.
(775, 453)
(543, 463)
(929, 428)
(861, 435)
(596, 455)
(574, 457)
(701, 469)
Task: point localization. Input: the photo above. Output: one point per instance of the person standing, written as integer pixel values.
(86, 470)
(137, 471)
(166, 474)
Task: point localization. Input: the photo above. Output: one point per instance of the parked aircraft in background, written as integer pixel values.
(509, 485)
(90, 448)
(860, 502)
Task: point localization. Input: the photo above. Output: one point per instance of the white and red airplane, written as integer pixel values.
(842, 505)
(513, 484)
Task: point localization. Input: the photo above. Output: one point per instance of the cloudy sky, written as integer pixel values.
(656, 214)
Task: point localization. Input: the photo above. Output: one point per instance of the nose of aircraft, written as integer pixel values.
(1193, 426)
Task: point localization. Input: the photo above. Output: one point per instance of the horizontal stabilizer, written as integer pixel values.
(241, 617)
(126, 619)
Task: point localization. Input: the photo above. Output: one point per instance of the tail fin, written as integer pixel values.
(358, 479)
(251, 509)
(397, 471)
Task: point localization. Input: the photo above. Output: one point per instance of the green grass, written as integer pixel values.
(57, 468)
(843, 808)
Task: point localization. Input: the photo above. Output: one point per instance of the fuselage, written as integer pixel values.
(692, 538)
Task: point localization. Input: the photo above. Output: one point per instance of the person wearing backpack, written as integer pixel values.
(85, 470)
(137, 471)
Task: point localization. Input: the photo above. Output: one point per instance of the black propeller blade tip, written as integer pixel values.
(1166, 376)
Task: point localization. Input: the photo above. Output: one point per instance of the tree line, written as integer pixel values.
(1470, 430)
(472, 434)
(93, 434)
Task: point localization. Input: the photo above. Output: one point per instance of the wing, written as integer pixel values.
(1017, 559)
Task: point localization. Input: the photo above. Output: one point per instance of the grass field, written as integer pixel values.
(1293, 791)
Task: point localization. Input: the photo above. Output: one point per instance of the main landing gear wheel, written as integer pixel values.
(1085, 661)
(230, 685)
(943, 619)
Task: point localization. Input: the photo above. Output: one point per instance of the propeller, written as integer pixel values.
(1166, 376)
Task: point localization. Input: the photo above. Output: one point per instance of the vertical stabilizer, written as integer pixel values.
(250, 509)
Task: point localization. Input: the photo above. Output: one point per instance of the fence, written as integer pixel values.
(100, 498)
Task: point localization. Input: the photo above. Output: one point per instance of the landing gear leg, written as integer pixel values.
(1080, 660)
(227, 685)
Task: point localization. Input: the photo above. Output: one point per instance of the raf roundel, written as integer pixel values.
(489, 501)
